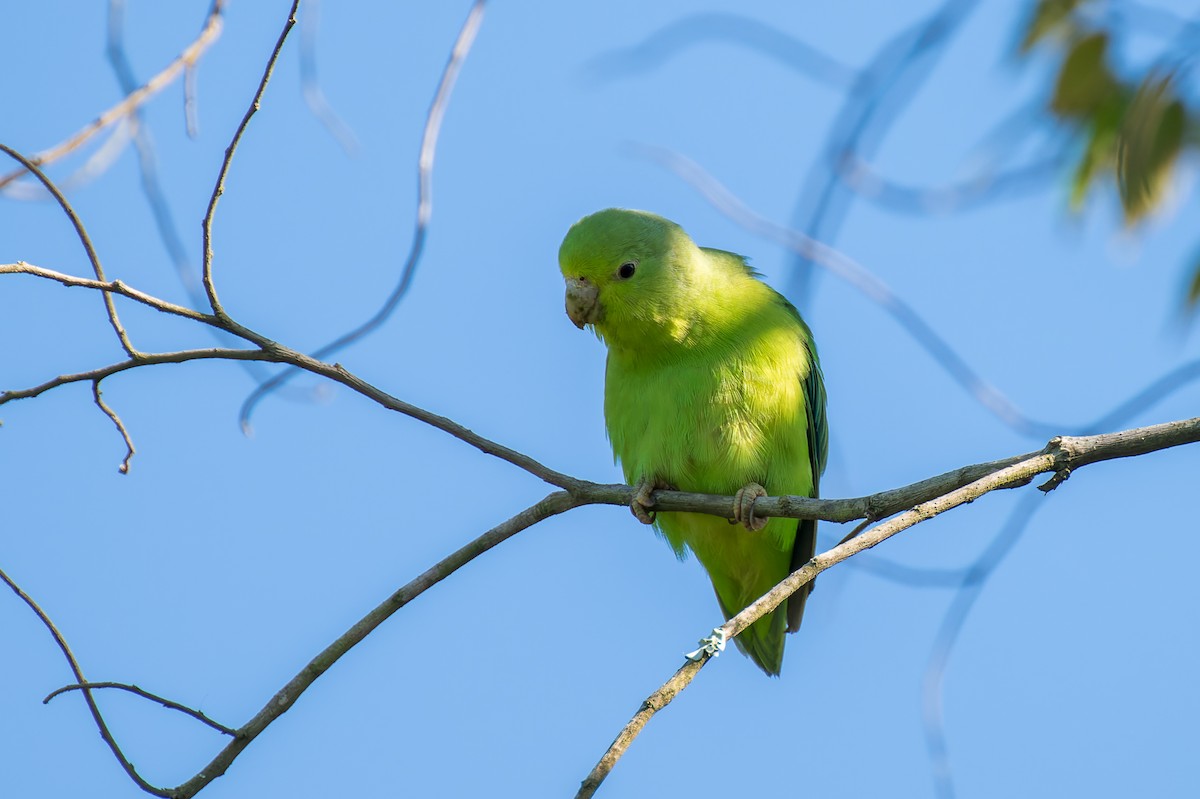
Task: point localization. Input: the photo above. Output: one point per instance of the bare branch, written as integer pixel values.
(208, 35)
(1060, 454)
(206, 266)
(429, 140)
(87, 694)
(133, 689)
(283, 700)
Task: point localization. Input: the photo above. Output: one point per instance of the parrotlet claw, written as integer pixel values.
(643, 501)
(713, 645)
(743, 507)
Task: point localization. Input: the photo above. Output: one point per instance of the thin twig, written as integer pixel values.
(858, 528)
(96, 164)
(97, 395)
(914, 576)
(113, 286)
(208, 35)
(970, 585)
(748, 32)
(310, 86)
(961, 195)
(133, 689)
(283, 699)
(206, 266)
(143, 359)
(84, 238)
(87, 694)
(191, 122)
(425, 158)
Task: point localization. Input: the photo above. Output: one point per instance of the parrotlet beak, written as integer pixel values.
(583, 304)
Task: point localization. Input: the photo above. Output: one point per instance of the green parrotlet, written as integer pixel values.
(712, 385)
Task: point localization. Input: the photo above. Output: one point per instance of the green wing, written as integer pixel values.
(818, 453)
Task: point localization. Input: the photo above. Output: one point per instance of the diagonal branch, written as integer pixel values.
(1060, 457)
(282, 701)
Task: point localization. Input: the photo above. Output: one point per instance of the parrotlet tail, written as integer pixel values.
(763, 641)
(802, 552)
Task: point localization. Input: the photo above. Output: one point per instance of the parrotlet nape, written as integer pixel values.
(712, 385)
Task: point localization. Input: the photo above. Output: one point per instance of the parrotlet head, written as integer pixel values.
(630, 275)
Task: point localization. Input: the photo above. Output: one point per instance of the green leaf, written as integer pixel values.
(1049, 18)
(1191, 300)
(1084, 81)
(1100, 153)
(1150, 140)
(1087, 170)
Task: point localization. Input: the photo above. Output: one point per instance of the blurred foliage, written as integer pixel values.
(1131, 125)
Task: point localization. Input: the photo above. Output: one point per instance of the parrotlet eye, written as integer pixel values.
(627, 269)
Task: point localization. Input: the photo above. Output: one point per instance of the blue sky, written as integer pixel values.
(222, 563)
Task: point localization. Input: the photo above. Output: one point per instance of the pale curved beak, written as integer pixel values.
(583, 302)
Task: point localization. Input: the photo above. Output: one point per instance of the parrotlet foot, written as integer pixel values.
(642, 501)
(743, 507)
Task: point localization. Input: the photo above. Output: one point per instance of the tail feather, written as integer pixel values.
(762, 641)
(802, 552)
